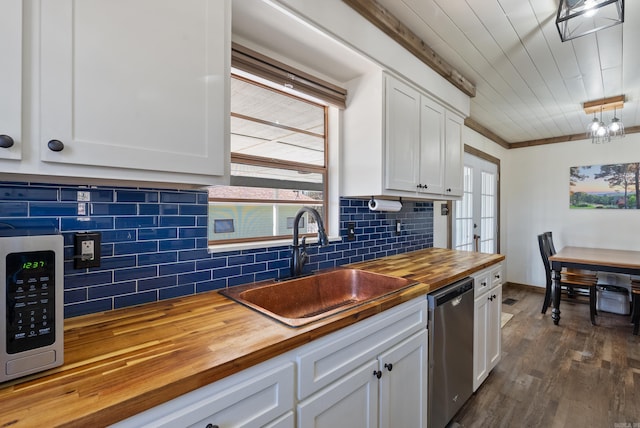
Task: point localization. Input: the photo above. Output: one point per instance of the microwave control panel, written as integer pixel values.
(30, 300)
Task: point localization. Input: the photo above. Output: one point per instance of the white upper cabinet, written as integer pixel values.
(402, 125)
(400, 142)
(136, 84)
(454, 151)
(432, 151)
(11, 79)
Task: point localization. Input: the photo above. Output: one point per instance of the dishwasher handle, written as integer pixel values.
(451, 292)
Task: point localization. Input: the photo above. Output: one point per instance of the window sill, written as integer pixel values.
(223, 248)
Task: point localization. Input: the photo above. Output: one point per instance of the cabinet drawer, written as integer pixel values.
(497, 275)
(254, 397)
(482, 282)
(330, 358)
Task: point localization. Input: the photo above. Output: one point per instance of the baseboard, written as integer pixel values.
(528, 287)
(579, 297)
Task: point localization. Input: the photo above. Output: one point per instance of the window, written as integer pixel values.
(278, 165)
(279, 156)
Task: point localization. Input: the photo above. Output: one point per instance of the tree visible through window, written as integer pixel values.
(278, 165)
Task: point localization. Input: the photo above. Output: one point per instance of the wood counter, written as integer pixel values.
(121, 362)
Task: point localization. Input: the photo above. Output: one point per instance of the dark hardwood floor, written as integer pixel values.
(571, 375)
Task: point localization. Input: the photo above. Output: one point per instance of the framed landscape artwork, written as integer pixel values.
(614, 186)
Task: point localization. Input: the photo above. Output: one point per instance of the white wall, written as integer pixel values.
(535, 198)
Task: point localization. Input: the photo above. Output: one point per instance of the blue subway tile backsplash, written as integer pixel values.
(154, 241)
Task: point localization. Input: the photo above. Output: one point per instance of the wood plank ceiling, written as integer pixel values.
(529, 86)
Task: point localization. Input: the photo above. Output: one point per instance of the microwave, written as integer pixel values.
(31, 295)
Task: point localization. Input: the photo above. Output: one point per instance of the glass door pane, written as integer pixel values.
(475, 218)
(463, 216)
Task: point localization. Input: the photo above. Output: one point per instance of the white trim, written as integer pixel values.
(223, 248)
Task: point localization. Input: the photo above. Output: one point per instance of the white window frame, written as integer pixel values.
(334, 119)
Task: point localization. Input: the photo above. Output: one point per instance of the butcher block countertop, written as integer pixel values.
(122, 362)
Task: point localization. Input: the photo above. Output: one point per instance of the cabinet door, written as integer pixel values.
(403, 385)
(432, 155)
(453, 185)
(494, 333)
(402, 136)
(139, 84)
(480, 327)
(351, 402)
(11, 77)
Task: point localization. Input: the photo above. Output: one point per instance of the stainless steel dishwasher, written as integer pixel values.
(450, 351)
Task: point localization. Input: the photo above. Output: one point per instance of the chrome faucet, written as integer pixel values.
(299, 256)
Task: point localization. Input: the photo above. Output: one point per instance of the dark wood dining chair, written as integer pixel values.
(635, 304)
(570, 279)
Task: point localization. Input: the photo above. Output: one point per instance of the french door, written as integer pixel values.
(475, 216)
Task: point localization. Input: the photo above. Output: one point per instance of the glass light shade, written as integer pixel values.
(616, 127)
(602, 130)
(580, 17)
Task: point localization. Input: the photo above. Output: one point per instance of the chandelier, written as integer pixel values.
(580, 17)
(597, 130)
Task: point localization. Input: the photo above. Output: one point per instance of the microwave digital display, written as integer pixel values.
(34, 264)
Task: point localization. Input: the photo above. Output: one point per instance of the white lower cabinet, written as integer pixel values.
(351, 402)
(261, 396)
(370, 374)
(487, 334)
(380, 367)
(387, 392)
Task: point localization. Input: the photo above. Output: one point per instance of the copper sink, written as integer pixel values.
(300, 301)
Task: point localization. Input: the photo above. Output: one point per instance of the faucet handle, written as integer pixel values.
(304, 257)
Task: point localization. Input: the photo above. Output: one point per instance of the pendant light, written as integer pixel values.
(577, 18)
(598, 131)
(592, 129)
(616, 127)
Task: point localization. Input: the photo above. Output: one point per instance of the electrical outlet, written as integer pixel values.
(86, 250)
(398, 227)
(351, 231)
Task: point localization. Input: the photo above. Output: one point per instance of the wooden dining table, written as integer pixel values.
(595, 259)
